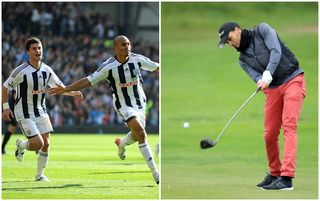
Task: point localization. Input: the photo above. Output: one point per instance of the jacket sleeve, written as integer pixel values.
(254, 75)
(271, 40)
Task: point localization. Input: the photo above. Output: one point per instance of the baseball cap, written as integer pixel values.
(224, 32)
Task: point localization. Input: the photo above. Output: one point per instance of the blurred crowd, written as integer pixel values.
(75, 42)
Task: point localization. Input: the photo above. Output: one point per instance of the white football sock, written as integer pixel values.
(127, 140)
(147, 155)
(42, 162)
(24, 145)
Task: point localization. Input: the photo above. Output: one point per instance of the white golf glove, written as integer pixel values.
(267, 77)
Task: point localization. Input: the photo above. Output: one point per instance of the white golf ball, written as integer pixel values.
(186, 125)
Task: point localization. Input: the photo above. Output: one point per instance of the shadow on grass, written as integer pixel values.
(42, 187)
(5, 182)
(113, 186)
(119, 163)
(71, 186)
(119, 172)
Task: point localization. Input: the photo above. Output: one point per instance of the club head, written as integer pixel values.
(207, 143)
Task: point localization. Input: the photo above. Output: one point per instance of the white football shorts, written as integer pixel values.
(128, 112)
(36, 125)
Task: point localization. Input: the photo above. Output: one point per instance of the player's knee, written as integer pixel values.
(140, 134)
(38, 145)
(46, 144)
(139, 130)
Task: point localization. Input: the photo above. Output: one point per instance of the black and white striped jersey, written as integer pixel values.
(31, 85)
(125, 79)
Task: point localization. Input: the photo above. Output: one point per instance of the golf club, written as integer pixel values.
(208, 143)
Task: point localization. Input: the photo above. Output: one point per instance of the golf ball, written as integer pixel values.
(186, 125)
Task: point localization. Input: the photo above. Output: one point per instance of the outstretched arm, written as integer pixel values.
(75, 94)
(76, 86)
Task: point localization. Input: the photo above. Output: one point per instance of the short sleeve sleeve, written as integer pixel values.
(147, 64)
(54, 80)
(13, 81)
(100, 74)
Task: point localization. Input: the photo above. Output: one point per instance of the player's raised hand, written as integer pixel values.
(56, 91)
(7, 115)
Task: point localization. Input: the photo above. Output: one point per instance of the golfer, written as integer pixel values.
(275, 69)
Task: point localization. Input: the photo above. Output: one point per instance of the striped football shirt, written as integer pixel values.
(125, 79)
(31, 85)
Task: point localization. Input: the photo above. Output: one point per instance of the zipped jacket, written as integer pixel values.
(266, 51)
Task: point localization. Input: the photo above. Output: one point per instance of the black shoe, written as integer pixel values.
(267, 180)
(280, 184)
(3, 151)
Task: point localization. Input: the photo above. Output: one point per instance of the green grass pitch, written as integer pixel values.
(80, 167)
(205, 85)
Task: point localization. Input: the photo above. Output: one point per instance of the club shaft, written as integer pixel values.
(234, 116)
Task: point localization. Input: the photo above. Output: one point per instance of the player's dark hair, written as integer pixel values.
(31, 41)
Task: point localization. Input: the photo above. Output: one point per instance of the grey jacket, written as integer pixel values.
(267, 52)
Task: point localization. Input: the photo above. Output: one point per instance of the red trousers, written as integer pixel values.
(282, 108)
